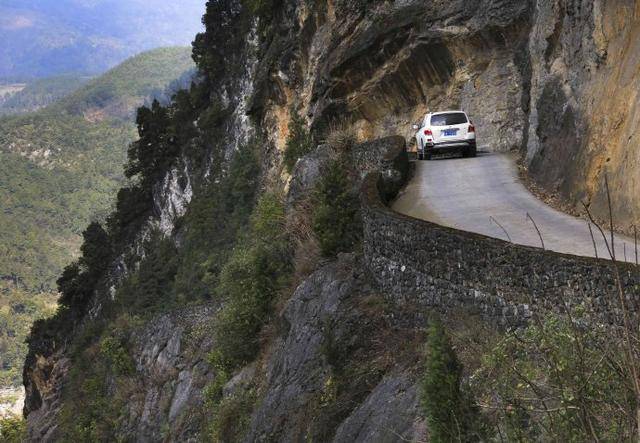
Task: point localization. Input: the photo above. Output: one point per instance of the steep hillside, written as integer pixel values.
(228, 297)
(49, 38)
(120, 91)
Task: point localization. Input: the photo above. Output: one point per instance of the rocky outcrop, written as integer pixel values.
(170, 356)
(43, 391)
(167, 386)
(332, 326)
(555, 80)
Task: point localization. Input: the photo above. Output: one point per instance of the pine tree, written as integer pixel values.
(451, 415)
(336, 221)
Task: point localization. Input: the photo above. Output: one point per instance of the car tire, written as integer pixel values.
(469, 152)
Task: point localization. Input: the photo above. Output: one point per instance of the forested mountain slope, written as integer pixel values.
(39, 93)
(60, 168)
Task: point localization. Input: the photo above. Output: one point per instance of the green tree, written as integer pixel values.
(451, 415)
(336, 220)
(96, 248)
(299, 142)
(156, 148)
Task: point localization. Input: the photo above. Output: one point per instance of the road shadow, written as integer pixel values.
(457, 156)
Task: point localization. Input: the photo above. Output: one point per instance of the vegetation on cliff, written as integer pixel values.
(450, 410)
(13, 430)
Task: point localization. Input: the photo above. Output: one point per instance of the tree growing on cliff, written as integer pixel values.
(449, 409)
(299, 142)
(336, 220)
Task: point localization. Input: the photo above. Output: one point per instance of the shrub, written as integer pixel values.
(217, 213)
(557, 380)
(336, 221)
(232, 415)
(258, 269)
(299, 142)
(450, 413)
(99, 383)
(117, 355)
(13, 430)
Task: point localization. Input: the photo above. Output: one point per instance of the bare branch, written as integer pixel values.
(501, 227)
(613, 246)
(635, 242)
(537, 230)
(604, 236)
(595, 247)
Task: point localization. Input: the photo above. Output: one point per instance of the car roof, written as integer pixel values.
(446, 112)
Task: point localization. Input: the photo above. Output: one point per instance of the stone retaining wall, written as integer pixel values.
(433, 266)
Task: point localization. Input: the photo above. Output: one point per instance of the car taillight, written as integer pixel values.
(428, 132)
(472, 128)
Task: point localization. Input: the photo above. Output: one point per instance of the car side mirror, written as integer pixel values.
(416, 127)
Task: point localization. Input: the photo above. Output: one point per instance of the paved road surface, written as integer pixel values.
(464, 193)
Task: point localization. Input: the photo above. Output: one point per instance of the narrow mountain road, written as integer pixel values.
(484, 193)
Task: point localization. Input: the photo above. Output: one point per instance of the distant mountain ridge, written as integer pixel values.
(44, 38)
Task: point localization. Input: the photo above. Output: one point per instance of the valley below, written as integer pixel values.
(59, 171)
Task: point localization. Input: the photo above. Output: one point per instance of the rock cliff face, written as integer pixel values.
(553, 79)
(583, 123)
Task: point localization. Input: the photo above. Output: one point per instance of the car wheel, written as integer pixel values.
(469, 152)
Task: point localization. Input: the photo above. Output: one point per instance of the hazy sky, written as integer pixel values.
(40, 38)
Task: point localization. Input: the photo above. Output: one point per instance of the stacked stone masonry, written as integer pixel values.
(436, 267)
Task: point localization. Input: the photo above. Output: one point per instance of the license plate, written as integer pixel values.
(449, 132)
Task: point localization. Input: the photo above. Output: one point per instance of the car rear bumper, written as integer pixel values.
(452, 146)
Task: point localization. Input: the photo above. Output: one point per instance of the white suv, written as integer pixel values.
(445, 132)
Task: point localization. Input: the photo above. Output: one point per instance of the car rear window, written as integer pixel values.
(451, 118)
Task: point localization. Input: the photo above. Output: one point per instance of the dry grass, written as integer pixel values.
(341, 137)
(307, 255)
